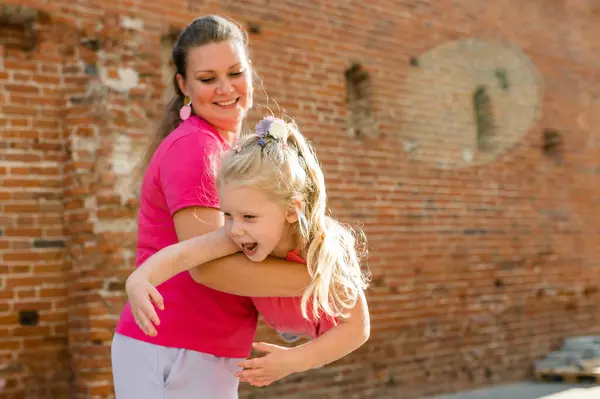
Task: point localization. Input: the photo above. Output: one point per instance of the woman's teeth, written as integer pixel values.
(226, 103)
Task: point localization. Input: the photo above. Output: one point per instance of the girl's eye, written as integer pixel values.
(227, 215)
(249, 217)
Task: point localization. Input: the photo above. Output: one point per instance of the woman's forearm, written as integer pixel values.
(236, 274)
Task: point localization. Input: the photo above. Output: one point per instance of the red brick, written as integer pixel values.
(21, 208)
(47, 79)
(22, 89)
(23, 232)
(21, 77)
(53, 292)
(23, 157)
(11, 345)
(31, 256)
(31, 305)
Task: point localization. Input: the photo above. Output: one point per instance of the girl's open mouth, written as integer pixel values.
(250, 248)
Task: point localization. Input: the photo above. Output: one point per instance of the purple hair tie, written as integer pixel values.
(262, 127)
(265, 127)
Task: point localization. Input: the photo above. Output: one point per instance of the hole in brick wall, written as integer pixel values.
(48, 244)
(91, 43)
(172, 34)
(116, 286)
(590, 290)
(499, 283)
(13, 36)
(167, 67)
(551, 141)
(358, 101)
(468, 373)
(414, 61)
(97, 342)
(488, 373)
(29, 317)
(484, 119)
(254, 28)
(17, 26)
(502, 77)
(91, 69)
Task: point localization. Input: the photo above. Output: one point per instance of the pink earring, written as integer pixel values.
(186, 110)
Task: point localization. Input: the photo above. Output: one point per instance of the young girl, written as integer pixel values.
(272, 195)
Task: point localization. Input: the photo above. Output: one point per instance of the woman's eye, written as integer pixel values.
(207, 80)
(236, 74)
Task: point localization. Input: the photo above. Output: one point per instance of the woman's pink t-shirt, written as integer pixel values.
(195, 317)
(285, 315)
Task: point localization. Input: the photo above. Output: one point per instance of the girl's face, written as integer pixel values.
(259, 225)
(218, 80)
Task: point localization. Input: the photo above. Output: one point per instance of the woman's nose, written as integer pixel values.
(224, 87)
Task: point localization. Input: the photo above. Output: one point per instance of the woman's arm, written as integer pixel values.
(349, 335)
(235, 274)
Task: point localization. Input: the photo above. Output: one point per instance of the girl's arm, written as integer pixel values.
(349, 335)
(202, 239)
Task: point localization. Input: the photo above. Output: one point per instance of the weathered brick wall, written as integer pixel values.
(472, 164)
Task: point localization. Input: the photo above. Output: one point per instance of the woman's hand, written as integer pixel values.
(141, 294)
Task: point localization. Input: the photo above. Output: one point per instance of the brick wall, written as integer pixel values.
(475, 177)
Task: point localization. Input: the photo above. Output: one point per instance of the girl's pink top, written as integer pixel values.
(284, 313)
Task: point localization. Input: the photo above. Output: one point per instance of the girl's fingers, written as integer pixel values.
(156, 297)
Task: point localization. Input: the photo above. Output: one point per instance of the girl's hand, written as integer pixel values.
(278, 363)
(141, 295)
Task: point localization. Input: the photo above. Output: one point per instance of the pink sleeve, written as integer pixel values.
(186, 172)
(325, 324)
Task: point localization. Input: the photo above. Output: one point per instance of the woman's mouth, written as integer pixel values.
(227, 104)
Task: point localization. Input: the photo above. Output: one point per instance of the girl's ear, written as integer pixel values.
(291, 214)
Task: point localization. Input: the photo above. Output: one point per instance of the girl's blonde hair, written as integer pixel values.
(278, 160)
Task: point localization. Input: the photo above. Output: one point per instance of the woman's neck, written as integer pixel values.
(229, 136)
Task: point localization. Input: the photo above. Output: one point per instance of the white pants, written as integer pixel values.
(143, 370)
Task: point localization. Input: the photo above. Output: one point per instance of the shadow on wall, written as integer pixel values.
(477, 99)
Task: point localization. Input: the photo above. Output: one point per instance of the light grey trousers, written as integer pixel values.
(146, 371)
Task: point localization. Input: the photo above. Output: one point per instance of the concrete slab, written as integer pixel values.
(529, 390)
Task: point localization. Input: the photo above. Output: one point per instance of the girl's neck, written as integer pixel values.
(286, 244)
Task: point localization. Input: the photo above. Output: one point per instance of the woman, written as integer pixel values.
(179, 201)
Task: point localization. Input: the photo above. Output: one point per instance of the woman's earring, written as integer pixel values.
(186, 110)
